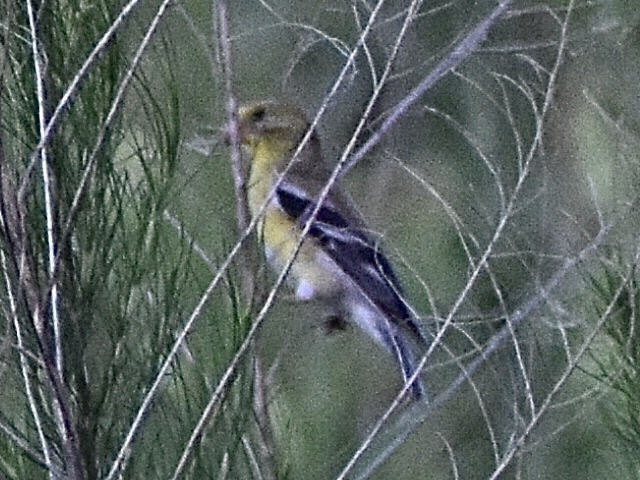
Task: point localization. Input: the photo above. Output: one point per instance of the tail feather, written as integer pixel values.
(396, 338)
(398, 347)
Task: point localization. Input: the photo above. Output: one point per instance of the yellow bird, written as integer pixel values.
(340, 262)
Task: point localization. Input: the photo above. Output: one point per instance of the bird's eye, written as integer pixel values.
(258, 115)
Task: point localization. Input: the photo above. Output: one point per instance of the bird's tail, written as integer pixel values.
(396, 338)
(398, 345)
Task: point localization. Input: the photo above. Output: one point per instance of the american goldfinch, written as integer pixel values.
(340, 262)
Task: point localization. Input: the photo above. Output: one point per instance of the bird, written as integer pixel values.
(340, 262)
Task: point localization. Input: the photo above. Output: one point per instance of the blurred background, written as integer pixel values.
(506, 198)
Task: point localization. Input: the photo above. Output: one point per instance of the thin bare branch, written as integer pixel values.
(464, 49)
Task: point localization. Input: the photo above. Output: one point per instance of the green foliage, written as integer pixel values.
(617, 298)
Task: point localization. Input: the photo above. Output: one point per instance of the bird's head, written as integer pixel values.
(271, 132)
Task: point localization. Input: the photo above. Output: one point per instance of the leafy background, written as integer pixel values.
(141, 335)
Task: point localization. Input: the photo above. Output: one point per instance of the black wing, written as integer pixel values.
(355, 252)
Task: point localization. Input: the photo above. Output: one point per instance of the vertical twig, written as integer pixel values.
(225, 62)
(40, 70)
(52, 363)
(7, 195)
